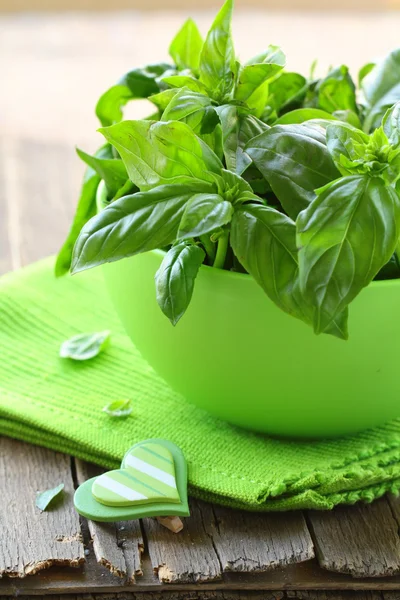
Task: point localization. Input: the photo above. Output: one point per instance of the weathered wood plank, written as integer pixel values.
(92, 578)
(8, 213)
(178, 595)
(391, 595)
(45, 190)
(257, 542)
(394, 503)
(333, 595)
(117, 546)
(361, 540)
(32, 540)
(188, 556)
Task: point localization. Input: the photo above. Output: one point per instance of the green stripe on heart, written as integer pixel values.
(147, 475)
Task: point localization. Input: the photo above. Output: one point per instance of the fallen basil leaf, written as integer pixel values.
(85, 345)
(118, 408)
(44, 499)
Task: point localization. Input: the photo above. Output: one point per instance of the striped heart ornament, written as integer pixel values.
(147, 475)
(151, 482)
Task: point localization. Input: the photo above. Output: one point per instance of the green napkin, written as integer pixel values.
(58, 403)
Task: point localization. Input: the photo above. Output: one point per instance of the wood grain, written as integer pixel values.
(117, 546)
(257, 542)
(361, 540)
(93, 578)
(32, 540)
(9, 243)
(178, 595)
(188, 556)
(45, 191)
(333, 595)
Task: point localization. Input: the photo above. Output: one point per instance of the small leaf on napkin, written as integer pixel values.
(118, 408)
(85, 345)
(44, 499)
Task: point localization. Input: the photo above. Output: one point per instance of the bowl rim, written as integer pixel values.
(100, 203)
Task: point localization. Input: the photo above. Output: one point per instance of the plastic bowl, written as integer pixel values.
(236, 355)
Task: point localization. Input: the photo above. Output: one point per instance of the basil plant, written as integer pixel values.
(249, 168)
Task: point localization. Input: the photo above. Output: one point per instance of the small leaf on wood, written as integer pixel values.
(45, 499)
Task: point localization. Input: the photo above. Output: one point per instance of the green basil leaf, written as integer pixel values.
(264, 242)
(133, 224)
(217, 60)
(381, 88)
(158, 153)
(348, 116)
(192, 108)
(45, 499)
(295, 161)
(300, 115)
(286, 90)
(345, 236)
(180, 81)
(238, 128)
(124, 190)
(175, 279)
(252, 76)
(139, 83)
(273, 54)
(343, 140)
(204, 213)
(85, 346)
(337, 91)
(258, 100)
(363, 72)
(162, 99)
(118, 408)
(391, 270)
(85, 210)
(111, 170)
(391, 124)
(231, 186)
(186, 46)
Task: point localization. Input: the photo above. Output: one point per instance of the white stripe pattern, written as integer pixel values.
(119, 488)
(144, 467)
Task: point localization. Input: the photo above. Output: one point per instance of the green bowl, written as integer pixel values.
(236, 355)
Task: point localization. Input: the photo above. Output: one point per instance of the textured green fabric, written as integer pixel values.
(57, 403)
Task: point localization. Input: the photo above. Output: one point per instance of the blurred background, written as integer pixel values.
(58, 56)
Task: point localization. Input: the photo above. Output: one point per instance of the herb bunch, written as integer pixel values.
(251, 168)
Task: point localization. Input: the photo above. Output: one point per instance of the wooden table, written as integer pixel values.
(351, 552)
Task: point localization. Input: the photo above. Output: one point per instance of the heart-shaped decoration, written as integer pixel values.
(152, 481)
(147, 475)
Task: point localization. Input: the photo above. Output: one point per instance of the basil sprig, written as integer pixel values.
(252, 168)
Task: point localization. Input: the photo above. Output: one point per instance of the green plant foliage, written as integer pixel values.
(248, 167)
